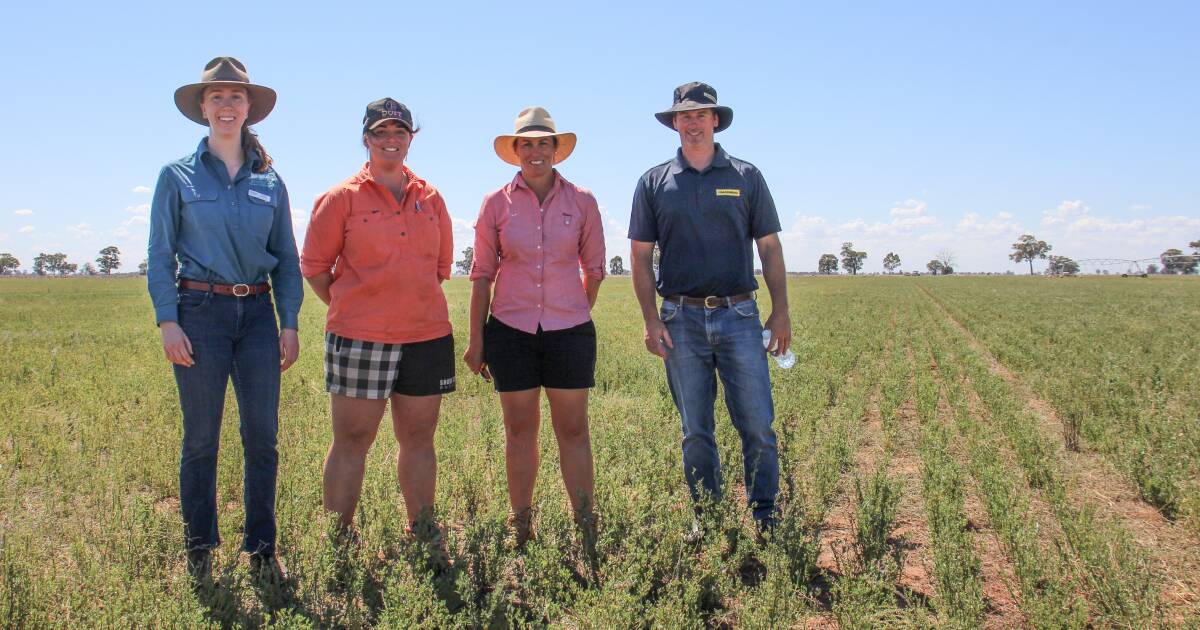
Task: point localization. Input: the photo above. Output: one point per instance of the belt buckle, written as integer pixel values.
(241, 290)
(716, 304)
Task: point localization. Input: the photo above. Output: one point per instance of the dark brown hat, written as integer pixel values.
(385, 109)
(696, 95)
(224, 71)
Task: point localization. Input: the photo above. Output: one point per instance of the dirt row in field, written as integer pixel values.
(1174, 552)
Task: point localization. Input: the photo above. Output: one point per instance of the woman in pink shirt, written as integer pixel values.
(533, 237)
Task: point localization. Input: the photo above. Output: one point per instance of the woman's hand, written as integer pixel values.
(176, 345)
(473, 357)
(289, 348)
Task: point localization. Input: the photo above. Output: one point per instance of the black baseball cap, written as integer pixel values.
(386, 109)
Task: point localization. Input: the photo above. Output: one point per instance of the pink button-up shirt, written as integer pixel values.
(534, 253)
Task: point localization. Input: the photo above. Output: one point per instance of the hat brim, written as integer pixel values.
(504, 145)
(724, 115)
(262, 100)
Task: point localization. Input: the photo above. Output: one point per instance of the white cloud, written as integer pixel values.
(23, 212)
(136, 220)
(26, 229)
(138, 209)
(81, 230)
(911, 207)
(142, 190)
(1140, 207)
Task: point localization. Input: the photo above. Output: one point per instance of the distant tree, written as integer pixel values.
(827, 264)
(616, 266)
(1027, 248)
(1062, 266)
(947, 257)
(1150, 269)
(109, 260)
(8, 263)
(1175, 261)
(891, 262)
(852, 260)
(88, 269)
(935, 267)
(45, 263)
(1195, 245)
(468, 259)
(142, 266)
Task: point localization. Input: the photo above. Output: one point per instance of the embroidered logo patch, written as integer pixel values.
(268, 179)
(729, 192)
(259, 196)
(446, 383)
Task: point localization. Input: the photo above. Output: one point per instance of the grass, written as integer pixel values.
(89, 432)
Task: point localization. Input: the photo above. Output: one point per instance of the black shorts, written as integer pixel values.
(562, 359)
(369, 369)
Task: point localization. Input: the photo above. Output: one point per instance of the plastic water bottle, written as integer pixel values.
(785, 360)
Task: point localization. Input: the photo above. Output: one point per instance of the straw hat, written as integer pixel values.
(224, 71)
(534, 122)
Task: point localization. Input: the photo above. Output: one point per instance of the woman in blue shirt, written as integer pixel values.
(220, 228)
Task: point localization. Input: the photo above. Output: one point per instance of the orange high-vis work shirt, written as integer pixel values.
(388, 259)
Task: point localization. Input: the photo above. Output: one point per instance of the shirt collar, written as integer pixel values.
(720, 160)
(364, 175)
(519, 182)
(252, 156)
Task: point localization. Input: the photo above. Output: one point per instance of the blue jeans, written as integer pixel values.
(231, 338)
(727, 341)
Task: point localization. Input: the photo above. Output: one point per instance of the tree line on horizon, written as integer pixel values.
(1027, 249)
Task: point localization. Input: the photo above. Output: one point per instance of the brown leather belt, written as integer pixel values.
(711, 301)
(236, 290)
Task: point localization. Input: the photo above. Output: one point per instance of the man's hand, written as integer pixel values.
(176, 345)
(289, 348)
(658, 340)
(473, 357)
(780, 325)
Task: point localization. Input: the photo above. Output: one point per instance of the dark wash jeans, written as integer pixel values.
(726, 343)
(232, 338)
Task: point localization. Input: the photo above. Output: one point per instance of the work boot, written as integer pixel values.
(199, 566)
(521, 524)
(426, 531)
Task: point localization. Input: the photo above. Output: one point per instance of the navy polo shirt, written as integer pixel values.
(704, 223)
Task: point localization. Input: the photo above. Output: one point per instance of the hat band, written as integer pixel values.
(536, 128)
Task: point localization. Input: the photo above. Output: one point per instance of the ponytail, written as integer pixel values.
(250, 143)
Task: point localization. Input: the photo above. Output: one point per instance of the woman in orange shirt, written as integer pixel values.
(377, 249)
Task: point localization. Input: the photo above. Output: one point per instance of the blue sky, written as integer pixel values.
(908, 127)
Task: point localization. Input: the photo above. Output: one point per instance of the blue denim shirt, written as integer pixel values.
(205, 227)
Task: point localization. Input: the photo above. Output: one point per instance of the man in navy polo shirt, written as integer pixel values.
(704, 208)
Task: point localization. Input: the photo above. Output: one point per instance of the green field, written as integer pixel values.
(957, 452)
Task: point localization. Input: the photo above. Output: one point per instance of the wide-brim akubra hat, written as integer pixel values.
(224, 71)
(534, 122)
(692, 96)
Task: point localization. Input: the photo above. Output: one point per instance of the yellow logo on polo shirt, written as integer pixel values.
(729, 192)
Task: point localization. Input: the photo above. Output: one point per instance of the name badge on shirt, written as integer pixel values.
(259, 196)
(729, 192)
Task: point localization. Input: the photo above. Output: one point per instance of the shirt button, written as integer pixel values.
(403, 234)
(539, 287)
(539, 227)
(539, 246)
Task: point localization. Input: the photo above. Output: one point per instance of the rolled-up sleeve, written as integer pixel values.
(161, 264)
(285, 278)
(325, 236)
(487, 242)
(446, 247)
(591, 239)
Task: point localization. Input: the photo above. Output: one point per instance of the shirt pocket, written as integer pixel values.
(371, 236)
(426, 237)
(201, 210)
(565, 227)
(260, 214)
